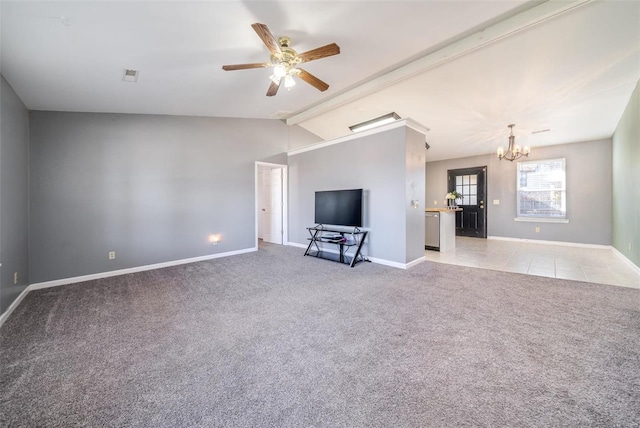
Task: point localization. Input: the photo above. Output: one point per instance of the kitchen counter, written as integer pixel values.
(442, 210)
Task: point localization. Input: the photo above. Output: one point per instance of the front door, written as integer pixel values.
(471, 183)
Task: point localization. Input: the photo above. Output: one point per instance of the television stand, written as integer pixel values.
(344, 240)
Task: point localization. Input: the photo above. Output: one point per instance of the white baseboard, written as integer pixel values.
(624, 258)
(13, 305)
(398, 265)
(416, 262)
(83, 278)
(295, 244)
(76, 279)
(539, 241)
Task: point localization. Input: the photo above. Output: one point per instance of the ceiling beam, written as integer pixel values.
(491, 34)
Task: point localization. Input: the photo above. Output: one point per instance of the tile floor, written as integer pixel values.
(567, 262)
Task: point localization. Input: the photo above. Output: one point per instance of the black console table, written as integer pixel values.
(343, 239)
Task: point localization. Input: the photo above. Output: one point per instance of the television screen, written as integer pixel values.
(339, 207)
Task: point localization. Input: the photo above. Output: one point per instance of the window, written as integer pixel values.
(467, 186)
(542, 192)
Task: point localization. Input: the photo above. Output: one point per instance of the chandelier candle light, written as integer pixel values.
(513, 151)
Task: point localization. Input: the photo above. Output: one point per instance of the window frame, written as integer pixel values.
(564, 218)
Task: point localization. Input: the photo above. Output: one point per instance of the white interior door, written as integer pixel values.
(264, 193)
(272, 207)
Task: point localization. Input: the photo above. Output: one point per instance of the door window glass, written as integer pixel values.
(467, 186)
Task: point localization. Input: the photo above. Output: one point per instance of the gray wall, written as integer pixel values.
(414, 191)
(588, 193)
(626, 181)
(14, 174)
(151, 188)
(376, 163)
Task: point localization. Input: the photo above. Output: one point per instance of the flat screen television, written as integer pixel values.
(339, 207)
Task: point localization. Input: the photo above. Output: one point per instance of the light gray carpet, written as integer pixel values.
(275, 339)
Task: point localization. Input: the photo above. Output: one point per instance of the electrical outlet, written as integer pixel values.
(537, 230)
(112, 255)
(15, 277)
(435, 202)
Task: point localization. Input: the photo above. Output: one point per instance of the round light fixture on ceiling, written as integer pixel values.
(279, 70)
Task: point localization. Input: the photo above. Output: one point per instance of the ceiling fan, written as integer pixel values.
(285, 61)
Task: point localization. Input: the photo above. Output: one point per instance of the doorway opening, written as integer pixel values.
(271, 203)
(471, 183)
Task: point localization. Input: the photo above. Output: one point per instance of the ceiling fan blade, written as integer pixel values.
(246, 66)
(312, 80)
(321, 52)
(273, 88)
(267, 37)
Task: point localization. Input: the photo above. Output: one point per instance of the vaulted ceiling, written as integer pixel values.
(464, 69)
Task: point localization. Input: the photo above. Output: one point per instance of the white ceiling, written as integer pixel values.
(568, 66)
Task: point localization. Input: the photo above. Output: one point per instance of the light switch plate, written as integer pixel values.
(496, 202)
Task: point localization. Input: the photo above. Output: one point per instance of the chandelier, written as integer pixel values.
(513, 151)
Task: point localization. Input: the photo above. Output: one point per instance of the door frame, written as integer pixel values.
(485, 188)
(285, 199)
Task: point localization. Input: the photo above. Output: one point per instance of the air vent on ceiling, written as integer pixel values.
(130, 75)
(540, 131)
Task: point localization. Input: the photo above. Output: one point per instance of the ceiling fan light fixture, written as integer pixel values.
(284, 61)
(279, 71)
(289, 82)
(378, 121)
